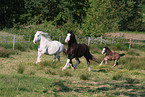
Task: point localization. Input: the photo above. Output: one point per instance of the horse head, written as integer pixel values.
(104, 50)
(38, 36)
(70, 37)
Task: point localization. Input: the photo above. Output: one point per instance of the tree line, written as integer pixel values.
(92, 17)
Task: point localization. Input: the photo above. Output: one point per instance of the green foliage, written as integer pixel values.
(92, 17)
(101, 17)
(21, 68)
(5, 53)
(85, 76)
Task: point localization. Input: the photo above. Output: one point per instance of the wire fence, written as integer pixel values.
(26, 40)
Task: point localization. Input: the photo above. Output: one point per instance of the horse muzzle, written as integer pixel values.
(66, 40)
(34, 42)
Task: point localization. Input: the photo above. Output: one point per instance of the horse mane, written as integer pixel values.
(72, 38)
(107, 48)
(45, 35)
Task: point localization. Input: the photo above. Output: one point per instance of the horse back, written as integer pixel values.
(54, 47)
(78, 50)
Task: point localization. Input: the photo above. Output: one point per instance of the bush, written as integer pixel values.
(21, 68)
(6, 52)
(85, 76)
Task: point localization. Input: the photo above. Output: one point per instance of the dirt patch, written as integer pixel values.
(127, 35)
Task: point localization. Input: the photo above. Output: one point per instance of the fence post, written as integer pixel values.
(89, 40)
(101, 40)
(112, 40)
(59, 38)
(29, 41)
(14, 43)
(130, 42)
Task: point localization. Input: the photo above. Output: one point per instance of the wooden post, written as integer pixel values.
(29, 41)
(101, 40)
(130, 42)
(89, 40)
(14, 43)
(112, 40)
(59, 38)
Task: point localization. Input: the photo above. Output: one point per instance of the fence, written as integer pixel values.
(27, 40)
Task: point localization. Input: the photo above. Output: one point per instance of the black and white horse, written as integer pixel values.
(76, 50)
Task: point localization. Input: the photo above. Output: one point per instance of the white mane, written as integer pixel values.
(45, 35)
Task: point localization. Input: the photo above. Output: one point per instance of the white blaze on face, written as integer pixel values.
(36, 38)
(103, 51)
(68, 37)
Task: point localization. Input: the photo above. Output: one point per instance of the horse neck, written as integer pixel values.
(72, 43)
(108, 52)
(43, 41)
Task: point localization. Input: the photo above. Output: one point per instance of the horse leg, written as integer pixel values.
(102, 61)
(88, 62)
(71, 64)
(66, 65)
(105, 60)
(89, 66)
(39, 55)
(114, 63)
(38, 58)
(78, 61)
(56, 56)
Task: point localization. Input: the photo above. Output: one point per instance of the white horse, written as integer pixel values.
(47, 46)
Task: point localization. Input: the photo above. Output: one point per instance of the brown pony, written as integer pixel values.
(110, 55)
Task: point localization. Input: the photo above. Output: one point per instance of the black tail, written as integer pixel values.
(122, 54)
(95, 59)
(65, 51)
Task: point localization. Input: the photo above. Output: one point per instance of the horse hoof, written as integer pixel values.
(100, 64)
(73, 69)
(64, 68)
(89, 69)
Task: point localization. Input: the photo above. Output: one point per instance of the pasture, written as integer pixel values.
(20, 76)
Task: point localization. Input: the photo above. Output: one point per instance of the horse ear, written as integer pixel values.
(70, 31)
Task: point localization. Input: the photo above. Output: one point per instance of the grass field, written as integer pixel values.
(21, 77)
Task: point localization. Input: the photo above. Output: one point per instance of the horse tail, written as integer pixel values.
(122, 54)
(95, 59)
(65, 51)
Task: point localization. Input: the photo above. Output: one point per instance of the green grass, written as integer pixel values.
(45, 79)
(20, 76)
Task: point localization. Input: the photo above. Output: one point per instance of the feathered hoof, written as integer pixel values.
(90, 69)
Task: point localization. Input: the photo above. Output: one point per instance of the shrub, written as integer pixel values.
(21, 68)
(6, 52)
(85, 76)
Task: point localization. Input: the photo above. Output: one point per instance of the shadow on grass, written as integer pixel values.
(59, 87)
